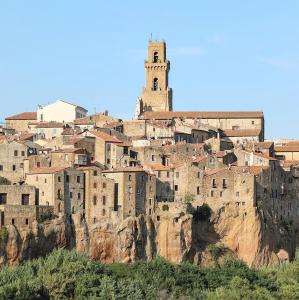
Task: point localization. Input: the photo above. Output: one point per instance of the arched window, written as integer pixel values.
(155, 87)
(156, 57)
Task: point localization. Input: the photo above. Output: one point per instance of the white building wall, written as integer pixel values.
(60, 111)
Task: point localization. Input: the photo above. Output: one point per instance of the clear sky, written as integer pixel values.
(225, 55)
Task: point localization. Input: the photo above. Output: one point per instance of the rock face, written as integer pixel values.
(178, 238)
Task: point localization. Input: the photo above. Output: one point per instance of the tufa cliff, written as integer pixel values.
(177, 237)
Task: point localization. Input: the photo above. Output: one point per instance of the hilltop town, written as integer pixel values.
(168, 183)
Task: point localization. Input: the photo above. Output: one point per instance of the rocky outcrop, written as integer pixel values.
(177, 237)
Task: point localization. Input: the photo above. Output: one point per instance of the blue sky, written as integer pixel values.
(225, 55)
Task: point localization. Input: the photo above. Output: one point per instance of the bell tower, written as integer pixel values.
(156, 96)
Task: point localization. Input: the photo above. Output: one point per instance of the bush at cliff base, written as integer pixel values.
(67, 275)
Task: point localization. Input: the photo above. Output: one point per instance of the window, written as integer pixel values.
(156, 57)
(153, 157)
(67, 178)
(214, 183)
(14, 167)
(108, 161)
(104, 200)
(212, 193)
(221, 194)
(25, 199)
(23, 153)
(59, 178)
(79, 196)
(78, 179)
(94, 220)
(45, 180)
(1, 168)
(197, 190)
(155, 84)
(237, 194)
(95, 173)
(167, 174)
(38, 164)
(252, 122)
(26, 221)
(130, 177)
(3, 198)
(236, 128)
(104, 185)
(71, 195)
(103, 212)
(224, 183)
(94, 200)
(16, 153)
(94, 185)
(150, 212)
(176, 187)
(198, 174)
(59, 194)
(13, 221)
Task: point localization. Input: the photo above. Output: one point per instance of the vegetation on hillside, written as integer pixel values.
(67, 275)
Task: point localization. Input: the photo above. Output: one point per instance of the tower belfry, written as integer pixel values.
(156, 96)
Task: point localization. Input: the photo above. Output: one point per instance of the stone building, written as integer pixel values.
(12, 155)
(49, 182)
(59, 187)
(156, 96)
(164, 181)
(20, 122)
(135, 191)
(19, 206)
(287, 151)
(69, 157)
(100, 198)
(46, 130)
(225, 121)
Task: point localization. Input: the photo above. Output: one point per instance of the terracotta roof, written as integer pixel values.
(68, 131)
(23, 116)
(220, 154)
(264, 145)
(159, 167)
(198, 158)
(46, 170)
(74, 140)
(242, 132)
(210, 172)
(254, 170)
(88, 168)
(25, 136)
(73, 150)
(202, 115)
(47, 124)
(199, 145)
(287, 148)
(106, 137)
(126, 169)
(112, 125)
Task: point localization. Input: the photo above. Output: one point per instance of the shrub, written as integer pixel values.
(202, 213)
(4, 181)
